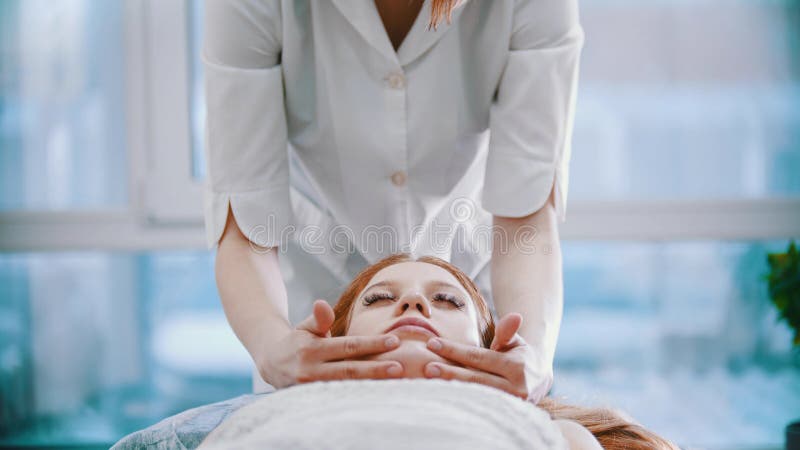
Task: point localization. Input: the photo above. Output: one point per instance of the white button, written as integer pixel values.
(399, 178)
(396, 80)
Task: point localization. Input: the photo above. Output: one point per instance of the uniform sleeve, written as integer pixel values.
(532, 114)
(246, 138)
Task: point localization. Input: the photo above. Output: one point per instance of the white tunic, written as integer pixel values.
(313, 120)
(388, 414)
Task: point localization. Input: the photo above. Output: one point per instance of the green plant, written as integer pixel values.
(784, 287)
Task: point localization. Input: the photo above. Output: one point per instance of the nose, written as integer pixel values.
(414, 300)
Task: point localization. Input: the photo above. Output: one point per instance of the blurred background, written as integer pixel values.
(685, 173)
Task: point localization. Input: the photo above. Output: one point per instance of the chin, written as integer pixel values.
(413, 354)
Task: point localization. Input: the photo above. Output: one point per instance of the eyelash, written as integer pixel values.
(372, 298)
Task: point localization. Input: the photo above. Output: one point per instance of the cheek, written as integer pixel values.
(365, 323)
(461, 329)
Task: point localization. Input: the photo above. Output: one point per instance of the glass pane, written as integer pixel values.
(688, 109)
(94, 346)
(62, 100)
(679, 335)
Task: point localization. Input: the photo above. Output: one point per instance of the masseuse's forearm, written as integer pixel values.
(527, 278)
(252, 291)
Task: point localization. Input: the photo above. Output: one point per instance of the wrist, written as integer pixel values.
(268, 334)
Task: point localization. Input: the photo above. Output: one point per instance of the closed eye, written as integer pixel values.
(438, 297)
(445, 297)
(372, 298)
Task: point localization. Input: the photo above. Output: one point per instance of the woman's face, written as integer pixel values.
(410, 291)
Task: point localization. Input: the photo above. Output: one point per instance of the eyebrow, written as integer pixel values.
(380, 283)
(445, 284)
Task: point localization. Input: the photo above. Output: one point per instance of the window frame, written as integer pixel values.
(171, 193)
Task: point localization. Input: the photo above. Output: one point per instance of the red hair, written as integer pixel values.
(440, 9)
(612, 430)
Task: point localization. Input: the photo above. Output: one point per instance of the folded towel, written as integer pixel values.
(388, 414)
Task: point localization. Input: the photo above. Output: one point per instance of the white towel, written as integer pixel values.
(388, 414)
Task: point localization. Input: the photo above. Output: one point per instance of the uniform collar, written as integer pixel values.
(364, 17)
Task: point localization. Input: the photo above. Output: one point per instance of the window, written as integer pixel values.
(683, 177)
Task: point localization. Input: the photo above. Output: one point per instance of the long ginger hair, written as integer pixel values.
(441, 9)
(610, 428)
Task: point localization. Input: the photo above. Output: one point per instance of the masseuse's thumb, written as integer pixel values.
(505, 331)
(320, 320)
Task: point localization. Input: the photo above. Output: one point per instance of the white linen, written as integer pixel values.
(478, 110)
(388, 414)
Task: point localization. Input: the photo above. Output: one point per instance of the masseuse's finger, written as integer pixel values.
(350, 347)
(354, 370)
(473, 357)
(450, 372)
(505, 331)
(320, 320)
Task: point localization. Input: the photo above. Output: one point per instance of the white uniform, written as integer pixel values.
(314, 120)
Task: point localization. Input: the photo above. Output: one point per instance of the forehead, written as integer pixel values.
(415, 272)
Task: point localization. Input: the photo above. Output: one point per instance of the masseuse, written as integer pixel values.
(434, 127)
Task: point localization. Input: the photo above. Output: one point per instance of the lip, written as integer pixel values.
(414, 322)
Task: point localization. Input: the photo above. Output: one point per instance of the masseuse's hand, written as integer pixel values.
(309, 353)
(510, 364)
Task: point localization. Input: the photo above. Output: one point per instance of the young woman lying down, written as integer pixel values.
(416, 300)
